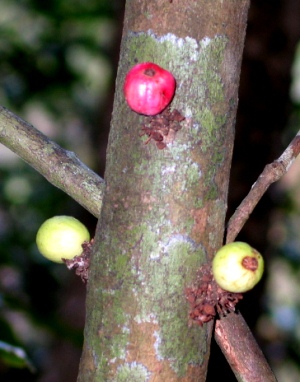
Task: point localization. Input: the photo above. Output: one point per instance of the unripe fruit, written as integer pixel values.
(61, 237)
(148, 88)
(237, 267)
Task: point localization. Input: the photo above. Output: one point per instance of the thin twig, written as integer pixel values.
(271, 173)
(60, 167)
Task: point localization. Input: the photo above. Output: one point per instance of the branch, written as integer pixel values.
(271, 173)
(241, 350)
(64, 170)
(231, 332)
(60, 167)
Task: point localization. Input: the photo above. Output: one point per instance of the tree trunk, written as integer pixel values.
(163, 210)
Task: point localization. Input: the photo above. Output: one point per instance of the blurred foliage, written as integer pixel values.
(55, 50)
(55, 72)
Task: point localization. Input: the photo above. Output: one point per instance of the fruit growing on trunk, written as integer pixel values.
(237, 267)
(148, 88)
(61, 237)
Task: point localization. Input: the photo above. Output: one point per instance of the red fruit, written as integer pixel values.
(148, 88)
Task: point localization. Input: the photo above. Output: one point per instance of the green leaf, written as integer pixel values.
(14, 356)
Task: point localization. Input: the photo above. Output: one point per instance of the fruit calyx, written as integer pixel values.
(150, 72)
(250, 263)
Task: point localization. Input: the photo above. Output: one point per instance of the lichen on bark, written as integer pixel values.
(163, 214)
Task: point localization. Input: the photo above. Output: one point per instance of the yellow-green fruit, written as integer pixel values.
(61, 237)
(237, 267)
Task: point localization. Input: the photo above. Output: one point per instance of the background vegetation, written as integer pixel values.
(57, 67)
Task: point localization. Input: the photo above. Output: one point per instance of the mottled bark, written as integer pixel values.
(163, 210)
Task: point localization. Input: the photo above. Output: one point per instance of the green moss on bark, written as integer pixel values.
(147, 247)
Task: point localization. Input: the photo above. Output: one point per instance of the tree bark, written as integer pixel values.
(163, 210)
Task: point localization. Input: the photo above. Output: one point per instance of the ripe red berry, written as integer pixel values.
(148, 88)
